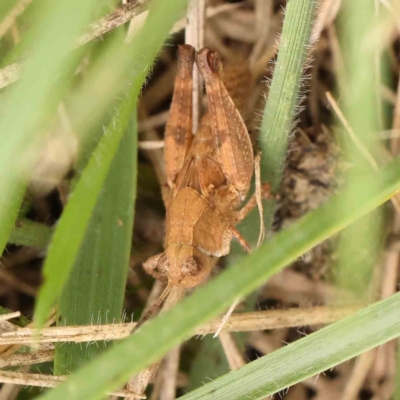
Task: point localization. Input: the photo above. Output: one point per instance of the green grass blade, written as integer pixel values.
(30, 233)
(96, 286)
(354, 269)
(113, 367)
(308, 356)
(70, 231)
(282, 106)
(396, 395)
(34, 96)
(284, 95)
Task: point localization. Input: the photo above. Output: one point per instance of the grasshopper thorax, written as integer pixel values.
(185, 265)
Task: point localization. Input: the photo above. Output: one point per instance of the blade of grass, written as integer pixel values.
(34, 96)
(308, 356)
(96, 286)
(30, 233)
(72, 226)
(396, 395)
(354, 269)
(113, 367)
(285, 95)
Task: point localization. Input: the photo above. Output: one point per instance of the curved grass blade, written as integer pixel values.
(284, 95)
(70, 231)
(113, 367)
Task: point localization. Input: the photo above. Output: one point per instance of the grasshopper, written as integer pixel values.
(208, 177)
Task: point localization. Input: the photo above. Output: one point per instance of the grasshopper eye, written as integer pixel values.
(163, 265)
(192, 266)
(213, 61)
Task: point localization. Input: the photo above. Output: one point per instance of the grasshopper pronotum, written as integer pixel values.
(208, 177)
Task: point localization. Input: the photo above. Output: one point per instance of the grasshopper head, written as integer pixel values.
(188, 266)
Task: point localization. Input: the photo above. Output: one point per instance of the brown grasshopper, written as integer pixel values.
(208, 177)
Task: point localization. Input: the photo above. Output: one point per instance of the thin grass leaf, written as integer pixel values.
(282, 106)
(96, 286)
(113, 367)
(308, 356)
(285, 95)
(70, 231)
(30, 233)
(354, 269)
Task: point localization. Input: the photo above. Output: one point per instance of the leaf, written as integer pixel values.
(96, 286)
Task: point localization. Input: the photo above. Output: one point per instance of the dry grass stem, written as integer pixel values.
(194, 35)
(326, 15)
(8, 350)
(360, 145)
(139, 383)
(19, 359)
(363, 150)
(226, 317)
(264, 20)
(232, 353)
(151, 144)
(170, 369)
(8, 316)
(9, 391)
(48, 381)
(358, 375)
(238, 322)
(113, 20)
(154, 121)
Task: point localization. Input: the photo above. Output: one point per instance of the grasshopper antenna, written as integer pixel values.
(154, 307)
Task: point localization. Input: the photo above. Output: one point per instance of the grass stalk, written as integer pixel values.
(285, 95)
